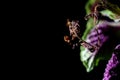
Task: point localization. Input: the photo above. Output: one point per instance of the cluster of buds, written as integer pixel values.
(74, 37)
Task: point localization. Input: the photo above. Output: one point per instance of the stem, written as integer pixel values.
(87, 45)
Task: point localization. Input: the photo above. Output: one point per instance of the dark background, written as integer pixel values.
(42, 50)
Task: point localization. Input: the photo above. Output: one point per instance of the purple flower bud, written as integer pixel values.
(112, 70)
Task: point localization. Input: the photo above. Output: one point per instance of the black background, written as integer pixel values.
(42, 52)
